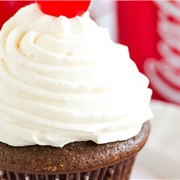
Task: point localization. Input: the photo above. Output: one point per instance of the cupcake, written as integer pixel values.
(73, 105)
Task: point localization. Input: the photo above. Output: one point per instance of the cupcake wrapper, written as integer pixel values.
(120, 171)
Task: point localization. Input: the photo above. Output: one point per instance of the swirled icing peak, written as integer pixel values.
(64, 80)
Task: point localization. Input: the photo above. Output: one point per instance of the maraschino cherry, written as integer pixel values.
(69, 8)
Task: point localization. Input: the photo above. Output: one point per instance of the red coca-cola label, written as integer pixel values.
(151, 31)
(164, 72)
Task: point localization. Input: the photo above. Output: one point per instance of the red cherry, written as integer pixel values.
(69, 8)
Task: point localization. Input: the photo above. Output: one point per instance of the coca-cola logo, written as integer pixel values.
(164, 73)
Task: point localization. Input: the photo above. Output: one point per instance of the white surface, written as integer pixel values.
(140, 172)
(160, 158)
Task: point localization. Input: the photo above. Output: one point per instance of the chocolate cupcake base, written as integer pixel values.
(120, 171)
(74, 161)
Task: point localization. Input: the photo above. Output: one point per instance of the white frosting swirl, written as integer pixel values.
(63, 80)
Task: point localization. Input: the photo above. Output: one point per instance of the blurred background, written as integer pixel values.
(151, 30)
